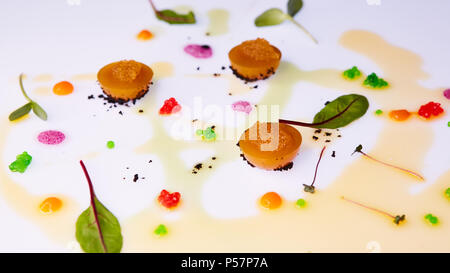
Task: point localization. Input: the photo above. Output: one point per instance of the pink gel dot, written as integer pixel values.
(447, 93)
(242, 106)
(199, 51)
(51, 137)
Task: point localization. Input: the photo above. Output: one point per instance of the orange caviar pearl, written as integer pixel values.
(399, 115)
(145, 35)
(50, 205)
(271, 200)
(63, 88)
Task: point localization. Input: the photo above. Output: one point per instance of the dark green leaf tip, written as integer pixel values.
(358, 149)
(294, 6)
(399, 219)
(309, 188)
(20, 112)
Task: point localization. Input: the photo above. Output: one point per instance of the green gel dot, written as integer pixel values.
(161, 230)
(447, 192)
(448, 124)
(21, 163)
(199, 132)
(301, 203)
(110, 144)
(379, 112)
(432, 219)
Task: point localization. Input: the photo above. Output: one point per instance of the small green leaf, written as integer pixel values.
(294, 6)
(345, 109)
(172, 17)
(271, 17)
(309, 188)
(37, 109)
(358, 149)
(22, 111)
(88, 233)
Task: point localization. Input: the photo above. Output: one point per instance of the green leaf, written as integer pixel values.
(294, 6)
(345, 109)
(271, 17)
(22, 111)
(89, 234)
(172, 17)
(37, 109)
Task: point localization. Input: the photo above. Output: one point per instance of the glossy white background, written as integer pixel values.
(71, 37)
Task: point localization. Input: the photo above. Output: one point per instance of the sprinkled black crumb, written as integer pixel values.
(245, 159)
(210, 166)
(237, 144)
(213, 158)
(213, 127)
(230, 94)
(256, 86)
(223, 67)
(339, 136)
(327, 140)
(194, 120)
(150, 161)
(333, 154)
(327, 102)
(216, 74)
(128, 168)
(285, 167)
(141, 111)
(90, 97)
(194, 172)
(198, 68)
(205, 47)
(318, 131)
(315, 138)
(327, 133)
(120, 112)
(198, 166)
(270, 72)
(135, 178)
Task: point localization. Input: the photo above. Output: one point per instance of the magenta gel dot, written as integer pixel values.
(447, 93)
(198, 51)
(51, 137)
(242, 106)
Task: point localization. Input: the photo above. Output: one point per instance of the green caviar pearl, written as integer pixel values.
(21, 163)
(352, 73)
(379, 112)
(447, 193)
(432, 219)
(161, 230)
(110, 144)
(301, 203)
(374, 81)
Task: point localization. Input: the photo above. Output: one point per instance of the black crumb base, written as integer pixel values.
(269, 73)
(110, 99)
(283, 168)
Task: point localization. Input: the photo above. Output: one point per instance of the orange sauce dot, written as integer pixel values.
(399, 115)
(271, 200)
(50, 205)
(63, 88)
(145, 35)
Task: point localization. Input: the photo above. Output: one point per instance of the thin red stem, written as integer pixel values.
(393, 166)
(317, 165)
(91, 191)
(313, 125)
(367, 207)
